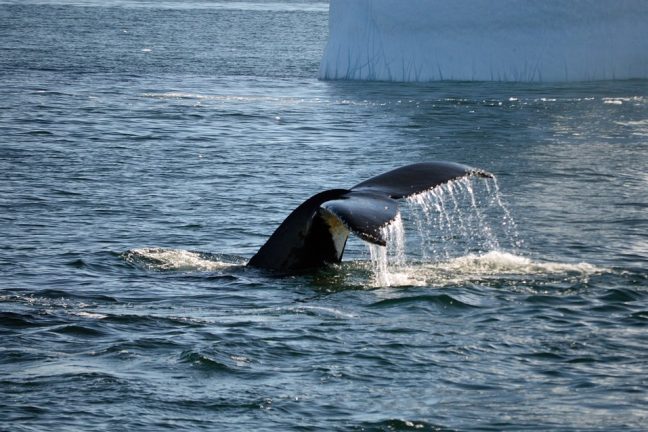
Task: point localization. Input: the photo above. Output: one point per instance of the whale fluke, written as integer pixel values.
(315, 233)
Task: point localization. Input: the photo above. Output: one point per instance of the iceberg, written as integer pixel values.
(486, 40)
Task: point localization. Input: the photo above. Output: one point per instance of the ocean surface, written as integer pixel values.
(149, 148)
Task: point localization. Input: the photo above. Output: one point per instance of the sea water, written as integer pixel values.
(148, 149)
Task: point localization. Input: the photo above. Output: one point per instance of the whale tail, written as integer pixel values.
(315, 233)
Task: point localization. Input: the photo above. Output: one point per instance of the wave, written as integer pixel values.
(396, 424)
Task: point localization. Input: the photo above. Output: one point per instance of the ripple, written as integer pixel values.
(140, 345)
(205, 362)
(79, 330)
(394, 425)
(18, 355)
(148, 320)
(622, 295)
(55, 294)
(442, 300)
(18, 320)
(641, 316)
(320, 311)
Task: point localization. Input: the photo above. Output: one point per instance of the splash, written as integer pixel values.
(465, 217)
(461, 217)
(389, 263)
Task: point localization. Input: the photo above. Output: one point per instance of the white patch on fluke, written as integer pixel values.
(339, 232)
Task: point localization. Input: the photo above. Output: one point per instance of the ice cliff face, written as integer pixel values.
(503, 40)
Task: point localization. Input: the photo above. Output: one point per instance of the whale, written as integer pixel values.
(315, 234)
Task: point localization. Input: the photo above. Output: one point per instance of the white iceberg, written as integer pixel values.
(486, 40)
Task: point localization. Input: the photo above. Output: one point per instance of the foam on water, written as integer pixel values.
(175, 259)
(499, 264)
(474, 268)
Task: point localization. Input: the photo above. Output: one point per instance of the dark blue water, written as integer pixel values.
(147, 149)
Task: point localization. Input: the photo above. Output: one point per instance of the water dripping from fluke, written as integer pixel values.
(389, 262)
(459, 231)
(463, 216)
